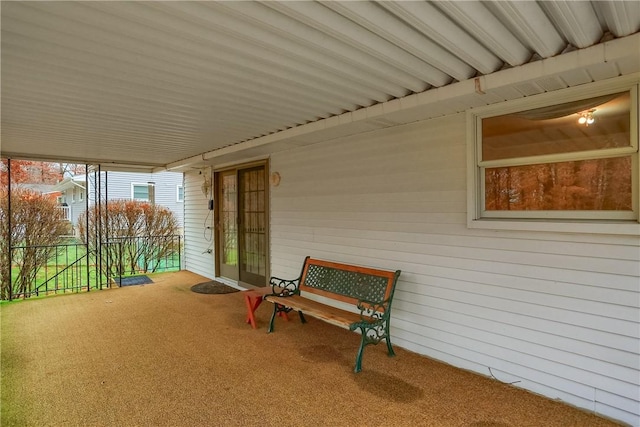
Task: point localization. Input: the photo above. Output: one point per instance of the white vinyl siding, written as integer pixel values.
(198, 239)
(118, 186)
(76, 206)
(558, 313)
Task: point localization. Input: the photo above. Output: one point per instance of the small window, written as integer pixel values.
(73, 195)
(180, 193)
(81, 196)
(140, 192)
(576, 160)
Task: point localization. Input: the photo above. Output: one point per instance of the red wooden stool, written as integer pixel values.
(253, 299)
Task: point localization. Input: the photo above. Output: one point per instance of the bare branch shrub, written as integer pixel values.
(37, 226)
(137, 235)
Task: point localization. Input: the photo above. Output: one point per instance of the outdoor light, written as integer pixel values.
(586, 118)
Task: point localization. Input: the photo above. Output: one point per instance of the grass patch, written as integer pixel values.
(72, 269)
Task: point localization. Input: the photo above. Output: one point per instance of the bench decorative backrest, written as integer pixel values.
(347, 283)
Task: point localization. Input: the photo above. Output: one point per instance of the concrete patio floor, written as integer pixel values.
(161, 355)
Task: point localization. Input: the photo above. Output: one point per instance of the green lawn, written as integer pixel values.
(69, 270)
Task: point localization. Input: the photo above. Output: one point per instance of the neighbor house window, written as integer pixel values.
(180, 193)
(575, 160)
(81, 195)
(140, 192)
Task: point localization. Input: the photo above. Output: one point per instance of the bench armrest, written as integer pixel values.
(373, 312)
(284, 287)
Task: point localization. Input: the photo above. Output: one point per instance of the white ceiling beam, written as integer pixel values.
(156, 81)
(183, 99)
(167, 83)
(60, 93)
(576, 20)
(313, 46)
(189, 69)
(527, 20)
(30, 117)
(379, 21)
(40, 107)
(621, 17)
(487, 29)
(256, 45)
(337, 26)
(437, 26)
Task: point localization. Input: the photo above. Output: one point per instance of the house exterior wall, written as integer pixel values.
(198, 240)
(554, 313)
(119, 187)
(76, 206)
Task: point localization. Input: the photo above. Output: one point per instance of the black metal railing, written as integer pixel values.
(129, 256)
(77, 267)
(44, 269)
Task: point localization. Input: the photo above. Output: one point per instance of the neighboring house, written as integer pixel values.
(39, 188)
(162, 188)
(71, 198)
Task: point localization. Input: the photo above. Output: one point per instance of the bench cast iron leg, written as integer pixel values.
(281, 311)
(358, 367)
(391, 352)
(374, 339)
(387, 334)
(302, 319)
(273, 317)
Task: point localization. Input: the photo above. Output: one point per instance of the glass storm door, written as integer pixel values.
(242, 225)
(228, 224)
(253, 226)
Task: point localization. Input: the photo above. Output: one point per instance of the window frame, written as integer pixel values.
(570, 221)
(139, 184)
(178, 198)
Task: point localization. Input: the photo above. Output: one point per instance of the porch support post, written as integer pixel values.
(96, 223)
(9, 243)
(86, 207)
(106, 225)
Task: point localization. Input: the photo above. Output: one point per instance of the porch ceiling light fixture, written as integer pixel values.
(586, 117)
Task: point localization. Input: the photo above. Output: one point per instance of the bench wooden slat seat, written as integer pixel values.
(321, 311)
(369, 290)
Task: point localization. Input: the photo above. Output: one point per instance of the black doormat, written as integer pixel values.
(134, 280)
(213, 287)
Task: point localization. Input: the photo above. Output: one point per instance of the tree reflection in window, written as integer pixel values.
(545, 160)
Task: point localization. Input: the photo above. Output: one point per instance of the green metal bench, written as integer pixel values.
(369, 290)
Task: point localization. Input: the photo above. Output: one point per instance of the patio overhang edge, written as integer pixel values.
(108, 166)
(416, 107)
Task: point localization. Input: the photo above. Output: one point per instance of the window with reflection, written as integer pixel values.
(573, 160)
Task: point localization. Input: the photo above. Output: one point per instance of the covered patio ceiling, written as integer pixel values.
(181, 84)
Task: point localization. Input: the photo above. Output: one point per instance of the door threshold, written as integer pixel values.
(234, 283)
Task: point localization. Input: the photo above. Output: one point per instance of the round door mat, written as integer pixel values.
(213, 287)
